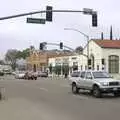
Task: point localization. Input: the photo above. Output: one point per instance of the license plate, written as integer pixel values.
(114, 88)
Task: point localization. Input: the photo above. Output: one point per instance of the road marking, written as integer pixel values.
(44, 89)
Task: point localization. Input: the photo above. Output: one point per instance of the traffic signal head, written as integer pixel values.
(61, 45)
(41, 46)
(49, 13)
(94, 20)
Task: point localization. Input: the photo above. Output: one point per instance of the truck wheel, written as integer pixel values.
(116, 94)
(75, 90)
(96, 92)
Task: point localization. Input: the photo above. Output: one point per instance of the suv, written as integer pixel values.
(97, 82)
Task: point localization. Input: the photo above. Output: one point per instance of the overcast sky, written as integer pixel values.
(16, 33)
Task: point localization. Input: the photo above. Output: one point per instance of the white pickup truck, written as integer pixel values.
(97, 82)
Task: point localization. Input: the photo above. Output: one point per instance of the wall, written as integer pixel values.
(107, 52)
(96, 51)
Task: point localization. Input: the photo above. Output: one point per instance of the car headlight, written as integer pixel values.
(105, 83)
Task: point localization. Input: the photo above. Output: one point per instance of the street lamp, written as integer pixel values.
(85, 35)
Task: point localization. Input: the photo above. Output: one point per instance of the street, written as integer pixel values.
(52, 99)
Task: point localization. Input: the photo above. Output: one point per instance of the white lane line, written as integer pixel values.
(44, 89)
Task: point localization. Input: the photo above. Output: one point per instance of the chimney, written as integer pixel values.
(111, 34)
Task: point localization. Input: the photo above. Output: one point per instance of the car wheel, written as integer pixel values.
(96, 92)
(75, 90)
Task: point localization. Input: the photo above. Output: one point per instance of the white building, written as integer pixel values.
(103, 55)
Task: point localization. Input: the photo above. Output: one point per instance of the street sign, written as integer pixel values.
(36, 20)
(87, 11)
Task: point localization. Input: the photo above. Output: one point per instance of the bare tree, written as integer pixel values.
(11, 57)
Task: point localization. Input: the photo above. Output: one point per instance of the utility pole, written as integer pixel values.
(111, 33)
(102, 37)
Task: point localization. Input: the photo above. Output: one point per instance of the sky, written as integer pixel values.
(17, 34)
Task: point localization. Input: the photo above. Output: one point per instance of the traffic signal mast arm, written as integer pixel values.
(37, 12)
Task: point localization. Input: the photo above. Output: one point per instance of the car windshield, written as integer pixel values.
(101, 75)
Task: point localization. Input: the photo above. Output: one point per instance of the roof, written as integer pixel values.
(108, 43)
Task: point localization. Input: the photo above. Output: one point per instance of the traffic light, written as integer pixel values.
(49, 13)
(94, 20)
(41, 46)
(61, 45)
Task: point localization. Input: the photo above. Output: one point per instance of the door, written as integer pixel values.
(75, 76)
(88, 80)
(82, 79)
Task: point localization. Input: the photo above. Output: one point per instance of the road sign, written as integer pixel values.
(87, 11)
(36, 20)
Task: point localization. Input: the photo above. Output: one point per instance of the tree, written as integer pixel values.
(23, 54)
(65, 69)
(79, 49)
(11, 57)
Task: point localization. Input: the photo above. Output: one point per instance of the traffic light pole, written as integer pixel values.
(87, 37)
(37, 12)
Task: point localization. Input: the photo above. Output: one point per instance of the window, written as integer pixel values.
(75, 74)
(74, 58)
(82, 75)
(113, 64)
(101, 75)
(88, 75)
(97, 67)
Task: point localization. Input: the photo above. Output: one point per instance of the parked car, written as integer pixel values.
(19, 75)
(97, 82)
(30, 76)
(42, 74)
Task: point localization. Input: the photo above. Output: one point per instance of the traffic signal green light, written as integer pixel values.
(94, 20)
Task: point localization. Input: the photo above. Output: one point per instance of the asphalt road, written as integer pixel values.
(52, 99)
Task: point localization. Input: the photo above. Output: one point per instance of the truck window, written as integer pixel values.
(82, 74)
(88, 75)
(75, 74)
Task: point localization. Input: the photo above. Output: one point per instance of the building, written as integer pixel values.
(97, 55)
(38, 60)
(104, 55)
